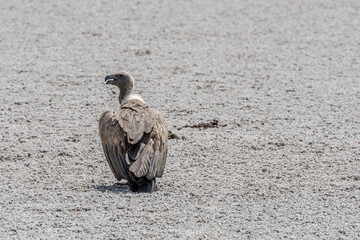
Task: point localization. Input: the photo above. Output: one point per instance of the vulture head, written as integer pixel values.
(125, 82)
(121, 79)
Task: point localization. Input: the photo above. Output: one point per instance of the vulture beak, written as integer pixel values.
(109, 79)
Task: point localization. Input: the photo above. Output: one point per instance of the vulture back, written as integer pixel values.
(135, 141)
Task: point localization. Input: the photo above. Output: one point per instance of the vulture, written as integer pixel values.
(134, 138)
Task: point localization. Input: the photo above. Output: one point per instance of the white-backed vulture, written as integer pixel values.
(134, 137)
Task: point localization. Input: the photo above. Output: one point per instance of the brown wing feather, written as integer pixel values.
(135, 119)
(112, 138)
(142, 163)
(161, 147)
(135, 141)
(152, 157)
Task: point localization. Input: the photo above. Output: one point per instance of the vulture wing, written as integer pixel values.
(134, 140)
(113, 140)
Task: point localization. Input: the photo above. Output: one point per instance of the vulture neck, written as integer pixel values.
(124, 94)
(126, 88)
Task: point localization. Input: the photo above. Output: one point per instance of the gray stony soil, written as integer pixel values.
(281, 77)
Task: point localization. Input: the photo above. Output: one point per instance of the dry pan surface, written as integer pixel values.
(281, 78)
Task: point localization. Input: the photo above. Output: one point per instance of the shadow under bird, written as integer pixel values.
(134, 137)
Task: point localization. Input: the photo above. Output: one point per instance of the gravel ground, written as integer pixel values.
(281, 77)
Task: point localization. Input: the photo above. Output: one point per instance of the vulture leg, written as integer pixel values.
(147, 186)
(133, 186)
